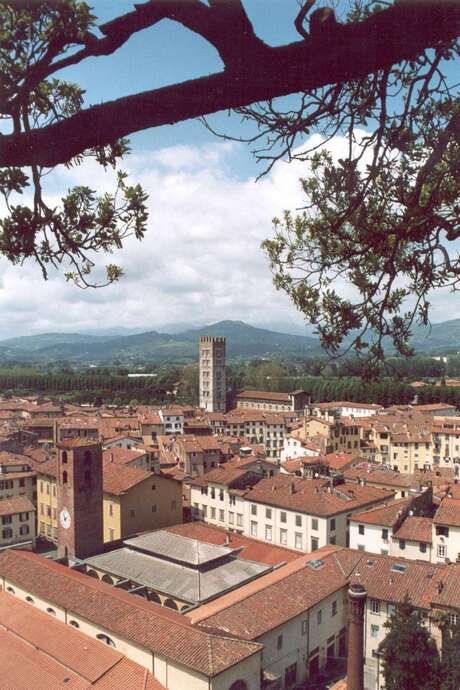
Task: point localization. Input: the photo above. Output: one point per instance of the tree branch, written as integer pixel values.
(335, 53)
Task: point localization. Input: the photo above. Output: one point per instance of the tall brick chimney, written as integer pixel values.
(355, 662)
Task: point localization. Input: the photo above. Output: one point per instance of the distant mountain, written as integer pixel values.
(242, 341)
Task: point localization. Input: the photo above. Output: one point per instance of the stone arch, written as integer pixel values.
(92, 573)
(170, 604)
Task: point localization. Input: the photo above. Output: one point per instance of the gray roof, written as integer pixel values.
(175, 547)
(179, 581)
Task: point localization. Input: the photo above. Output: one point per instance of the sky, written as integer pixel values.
(201, 260)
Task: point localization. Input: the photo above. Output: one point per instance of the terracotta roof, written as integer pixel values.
(447, 591)
(146, 624)
(346, 403)
(273, 599)
(235, 477)
(312, 496)
(387, 515)
(415, 529)
(38, 651)
(390, 579)
(434, 406)
(251, 549)
(77, 442)
(448, 512)
(122, 456)
(17, 504)
(264, 395)
(117, 479)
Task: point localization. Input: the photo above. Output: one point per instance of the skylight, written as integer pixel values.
(316, 563)
(399, 568)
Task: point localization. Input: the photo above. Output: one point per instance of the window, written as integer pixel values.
(304, 627)
(87, 457)
(154, 488)
(384, 534)
(30, 600)
(254, 529)
(268, 513)
(105, 638)
(334, 608)
(231, 517)
(154, 508)
(64, 477)
(7, 520)
(63, 459)
(298, 541)
(402, 544)
(332, 525)
(111, 534)
(132, 513)
(239, 520)
(391, 609)
(279, 642)
(221, 495)
(453, 618)
(375, 606)
(298, 521)
(10, 590)
(213, 513)
(442, 531)
(51, 611)
(87, 476)
(283, 536)
(268, 533)
(314, 543)
(213, 492)
(422, 547)
(333, 539)
(24, 529)
(221, 515)
(74, 624)
(360, 529)
(441, 551)
(7, 533)
(314, 525)
(282, 516)
(111, 509)
(253, 509)
(374, 631)
(319, 617)
(173, 505)
(22, 482)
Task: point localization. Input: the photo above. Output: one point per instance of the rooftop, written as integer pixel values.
(177, 547)
(146, 624)
(264, 395)
(448, 512)
(38, 651)
(387, 515)
(415, 529)
(16, 504)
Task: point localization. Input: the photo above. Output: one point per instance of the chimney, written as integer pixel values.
(111, 457)
(355, 662)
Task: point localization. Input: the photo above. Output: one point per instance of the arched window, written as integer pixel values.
(64, 477)
(108, 579)
(30, 600)
(87, 476)
(239, 685)
(105, 638)
(92, 573)
(170, 604)
(64, 457)
(153, 596)
(10, 590)
(87, 457)
(51, 611)
(74, 623)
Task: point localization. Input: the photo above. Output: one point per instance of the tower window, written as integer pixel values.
(87, 457)
(87, 476)
(64, 477)
(64, 457)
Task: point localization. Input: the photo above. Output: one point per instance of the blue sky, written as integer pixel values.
(200, 261)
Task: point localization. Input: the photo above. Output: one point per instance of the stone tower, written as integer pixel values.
(213, 388)
(79, 498)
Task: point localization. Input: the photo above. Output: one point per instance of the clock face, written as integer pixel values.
(64, 517)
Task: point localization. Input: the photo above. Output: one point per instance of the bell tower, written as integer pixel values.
(79, 498)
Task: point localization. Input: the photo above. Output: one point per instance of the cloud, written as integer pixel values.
(200, 261)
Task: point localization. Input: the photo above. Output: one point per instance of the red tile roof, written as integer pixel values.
(415, 529)
(448, 512)
(313, 497)
(15, 505)
(387, 515)
(117, 479)
(146, 624)
(40, 652)
(265, 395)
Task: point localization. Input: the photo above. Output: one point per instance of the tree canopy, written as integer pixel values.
(381, 217)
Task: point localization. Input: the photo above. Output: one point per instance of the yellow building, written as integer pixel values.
(135, 500)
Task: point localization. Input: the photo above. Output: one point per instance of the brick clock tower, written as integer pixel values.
(79, 498)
